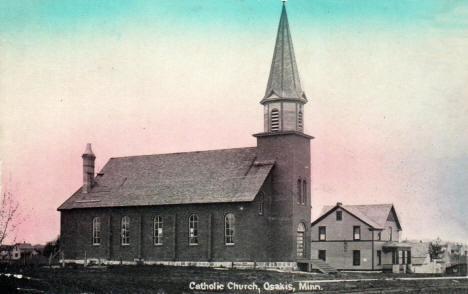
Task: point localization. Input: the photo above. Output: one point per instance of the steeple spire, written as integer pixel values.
(284, 83)
(284, 99)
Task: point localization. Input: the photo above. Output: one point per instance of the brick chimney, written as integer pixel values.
(339, 203)
(88, 169)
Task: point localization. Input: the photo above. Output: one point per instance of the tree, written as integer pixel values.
(435, 250)
(8, 215)
(52, 247)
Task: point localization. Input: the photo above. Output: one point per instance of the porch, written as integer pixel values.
(401, 257)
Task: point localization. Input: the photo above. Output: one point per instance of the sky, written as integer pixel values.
(386, 82)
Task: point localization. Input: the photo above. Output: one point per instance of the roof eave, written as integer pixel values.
(336, 207)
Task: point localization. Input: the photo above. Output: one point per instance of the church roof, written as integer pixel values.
(229, 175)
(283, 82)
(374, 215)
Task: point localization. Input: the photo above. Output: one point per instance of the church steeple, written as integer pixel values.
(284, 82)
(284, 98)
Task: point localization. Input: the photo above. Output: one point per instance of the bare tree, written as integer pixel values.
(8, 215)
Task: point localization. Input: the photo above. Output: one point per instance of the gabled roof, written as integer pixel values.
(283, 82)
(374, 215)
(229, 175)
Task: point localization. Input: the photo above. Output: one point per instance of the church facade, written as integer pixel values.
(244, 206)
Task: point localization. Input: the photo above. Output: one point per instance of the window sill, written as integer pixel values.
(158, 245)
(193, 244)
(229, 244)
(125, 245)
(96, 244)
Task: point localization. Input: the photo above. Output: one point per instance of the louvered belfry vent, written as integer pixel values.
(275, 120)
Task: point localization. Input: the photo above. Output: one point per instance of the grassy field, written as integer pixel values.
(159, 279)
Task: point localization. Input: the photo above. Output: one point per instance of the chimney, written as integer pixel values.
(88, 169)
(339, 203)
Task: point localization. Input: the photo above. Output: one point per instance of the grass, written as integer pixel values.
(161, 279)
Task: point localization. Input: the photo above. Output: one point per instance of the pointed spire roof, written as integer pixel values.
(284, 82)
(89, 152)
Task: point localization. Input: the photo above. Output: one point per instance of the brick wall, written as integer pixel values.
(291, 153)
(252, 232)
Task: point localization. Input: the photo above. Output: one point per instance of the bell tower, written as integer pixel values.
(284, 142)
(284, 99)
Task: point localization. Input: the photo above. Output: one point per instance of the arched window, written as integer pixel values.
(125, 231)
(391, 233)
(193, 229)
(299, 120)
(300, 240)
(261, 203)
(274, 120)
(96, 231)
(304, 192)
(158, 230)
(299, 191)
(229, 224)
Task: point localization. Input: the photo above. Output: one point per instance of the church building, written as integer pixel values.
(246, 207)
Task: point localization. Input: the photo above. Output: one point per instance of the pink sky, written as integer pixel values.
(388, 111)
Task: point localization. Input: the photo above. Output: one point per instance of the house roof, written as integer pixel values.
(374, 215)
(283, 82)
(228, 175)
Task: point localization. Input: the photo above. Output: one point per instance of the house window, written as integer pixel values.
(158, 230)
(299, 120)
(322, 233)
(304, 192)
(229, 225)
(379, 257)
(391, 233)
(193, 229)
(339, 215)
(125, 231)
(322, 255)
(356, 233)
(379, 236)
(261, 201)
(274, 120)
(96, 231)
(408, 257)
(356, 257)
(300, 240)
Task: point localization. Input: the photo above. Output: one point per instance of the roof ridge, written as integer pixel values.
(383, 204)
(183, 152)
